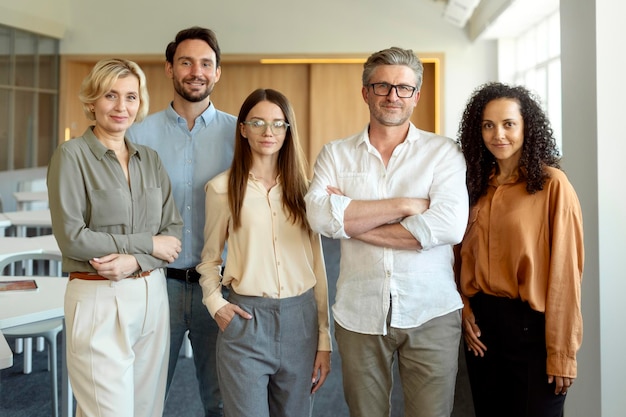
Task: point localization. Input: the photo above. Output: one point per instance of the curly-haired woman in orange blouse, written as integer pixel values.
(521, 259)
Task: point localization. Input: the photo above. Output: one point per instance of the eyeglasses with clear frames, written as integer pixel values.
(278, 127)
(402, 91)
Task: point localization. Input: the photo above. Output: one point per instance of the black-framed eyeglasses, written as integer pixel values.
(402, 91)
(278, 127)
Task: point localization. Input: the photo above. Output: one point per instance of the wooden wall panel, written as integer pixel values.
(424, 115)
(72, 121)
(238, 80)
(337, 106)
(160, 86)
(326, 96)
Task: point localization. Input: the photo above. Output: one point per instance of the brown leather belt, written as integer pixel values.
(95, 277)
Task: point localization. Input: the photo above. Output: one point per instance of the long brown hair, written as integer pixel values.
(291, 162)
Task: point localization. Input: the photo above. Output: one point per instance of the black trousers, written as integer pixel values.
(511, 380)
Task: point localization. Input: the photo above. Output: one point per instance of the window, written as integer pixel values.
(533, 59)
(29, 74)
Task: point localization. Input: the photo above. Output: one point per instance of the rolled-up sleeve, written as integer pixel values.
(446, 218)
(325, 212)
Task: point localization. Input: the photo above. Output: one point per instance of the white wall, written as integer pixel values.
(45, 17)
(278, 27)
(594, 146)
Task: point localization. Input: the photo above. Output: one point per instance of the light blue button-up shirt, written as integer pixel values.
(191, 158)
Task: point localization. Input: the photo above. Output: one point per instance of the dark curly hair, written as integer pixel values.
(538, 151)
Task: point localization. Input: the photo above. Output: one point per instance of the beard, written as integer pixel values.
(388, 118)
(193, 96)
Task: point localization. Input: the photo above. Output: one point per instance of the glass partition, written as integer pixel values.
(29, 79)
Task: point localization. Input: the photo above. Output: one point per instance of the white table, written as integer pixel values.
(30, 245)
(22, 307)
(24, 219)
(25, 197)
(35, 244)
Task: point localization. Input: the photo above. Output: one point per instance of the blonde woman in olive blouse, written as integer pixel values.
(273, 349)
(521, 259)
(117, 226)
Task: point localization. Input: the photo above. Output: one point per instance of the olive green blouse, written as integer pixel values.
(96, 211)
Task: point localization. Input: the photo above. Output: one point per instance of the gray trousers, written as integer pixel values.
(265, 364)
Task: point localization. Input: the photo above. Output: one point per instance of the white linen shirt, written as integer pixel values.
(418, 283)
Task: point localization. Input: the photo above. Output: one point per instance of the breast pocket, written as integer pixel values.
(109, 208)
(356, 185)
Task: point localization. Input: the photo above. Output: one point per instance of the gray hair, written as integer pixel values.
(394, 56)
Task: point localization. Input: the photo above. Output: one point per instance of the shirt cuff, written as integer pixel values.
(338, 205)
(417, 226)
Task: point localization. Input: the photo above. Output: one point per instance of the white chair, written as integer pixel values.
(22, 265)
(38, 184)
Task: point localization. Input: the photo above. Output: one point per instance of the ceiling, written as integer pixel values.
(517, 17)
(505, 18)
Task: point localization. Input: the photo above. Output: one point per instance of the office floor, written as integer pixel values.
(29, 395)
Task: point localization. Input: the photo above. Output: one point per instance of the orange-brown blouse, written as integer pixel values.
(530, 246)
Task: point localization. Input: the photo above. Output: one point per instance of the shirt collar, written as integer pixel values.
(253, 177)
(207, 115)
(99, 150)
(515, 178)
(412, 136)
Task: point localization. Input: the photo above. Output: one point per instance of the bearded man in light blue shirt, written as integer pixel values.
(195, 142)
(396, 197)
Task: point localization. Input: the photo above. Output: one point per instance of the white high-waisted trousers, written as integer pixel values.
(118, 345)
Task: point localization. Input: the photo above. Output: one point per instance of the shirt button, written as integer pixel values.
(188, 207)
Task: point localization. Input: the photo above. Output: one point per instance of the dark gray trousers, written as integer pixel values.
(265, 364)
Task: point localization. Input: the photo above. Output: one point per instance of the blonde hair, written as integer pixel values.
(101, 79)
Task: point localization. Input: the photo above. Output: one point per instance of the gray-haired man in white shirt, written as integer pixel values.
(396, 197)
